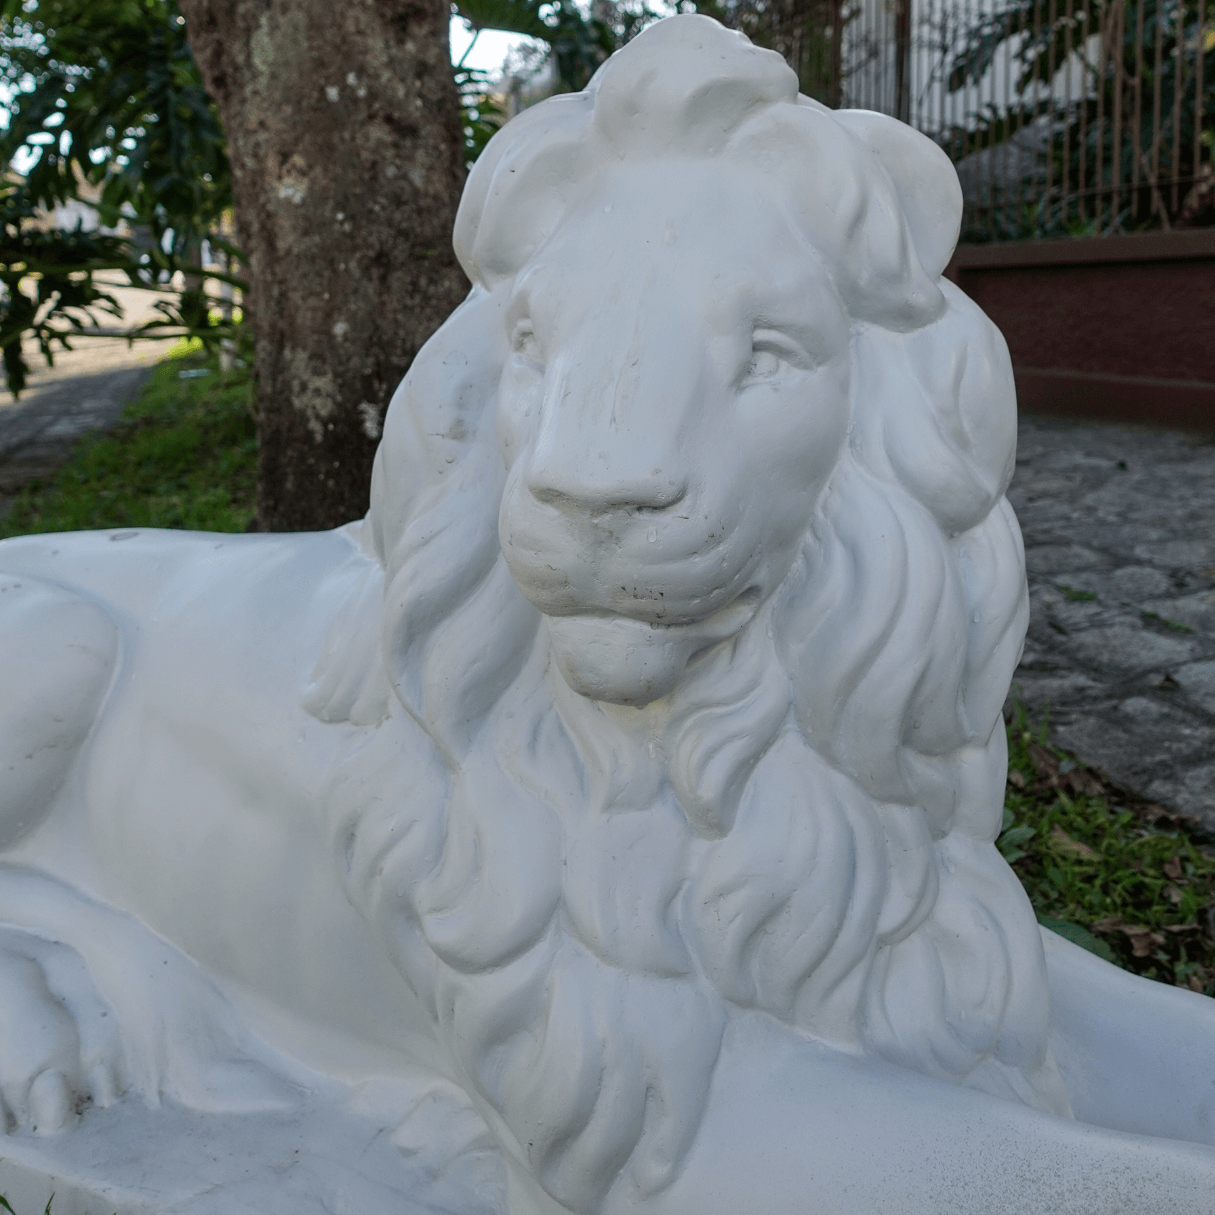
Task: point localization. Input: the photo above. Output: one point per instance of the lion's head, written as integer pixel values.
(694, 568)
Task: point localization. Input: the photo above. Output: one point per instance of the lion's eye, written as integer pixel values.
(764, 365)
(524, 343)
(773, 354)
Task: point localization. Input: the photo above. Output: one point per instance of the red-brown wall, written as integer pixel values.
(1117, 326)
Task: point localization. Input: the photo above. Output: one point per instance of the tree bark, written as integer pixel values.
(347, 154)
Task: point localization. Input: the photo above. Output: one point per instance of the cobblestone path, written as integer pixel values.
(1119, 527)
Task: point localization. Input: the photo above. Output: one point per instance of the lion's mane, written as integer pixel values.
(812, 835)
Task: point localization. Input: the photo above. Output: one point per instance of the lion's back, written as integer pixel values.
(148, 618)
(56, 663)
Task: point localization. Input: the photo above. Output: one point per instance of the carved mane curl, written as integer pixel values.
(814, 835)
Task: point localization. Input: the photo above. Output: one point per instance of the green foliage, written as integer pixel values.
(482, 113)
(107, 91)
(46, 282)
(106, 98)
(513, 16)
(1132, 883)
(184, 455)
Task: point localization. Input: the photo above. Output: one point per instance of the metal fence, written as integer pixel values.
(1064, 117)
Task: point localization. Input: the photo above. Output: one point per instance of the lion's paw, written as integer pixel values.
(59, 1046)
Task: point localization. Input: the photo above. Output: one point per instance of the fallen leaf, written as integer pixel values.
(1066, 844)
(1016, 779)
(1183, 928)
(1044, 762)
(1158, 814)
(1143, 941)
(1082, 781)
(1172, 868)
(1173, 895)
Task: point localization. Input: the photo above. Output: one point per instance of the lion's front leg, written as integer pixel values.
(793, 1127)
(94, 1006)
(1136, 1055)
(59, 1047)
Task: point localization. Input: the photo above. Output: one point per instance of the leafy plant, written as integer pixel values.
(1124, 878)
(482, 112)
(107, 106)
(107, 92)
(47, 289)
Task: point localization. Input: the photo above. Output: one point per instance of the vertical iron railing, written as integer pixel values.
(1062, 116)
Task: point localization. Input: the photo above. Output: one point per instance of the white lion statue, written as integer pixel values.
(613, 808)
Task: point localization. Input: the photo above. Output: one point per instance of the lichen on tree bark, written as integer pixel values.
(344, 133)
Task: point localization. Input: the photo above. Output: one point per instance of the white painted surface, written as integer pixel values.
(606, 822)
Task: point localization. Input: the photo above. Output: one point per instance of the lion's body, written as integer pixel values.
(208, 700)
(641, 754)
(172, 814)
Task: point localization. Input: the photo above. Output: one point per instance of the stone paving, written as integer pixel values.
(1119, 526)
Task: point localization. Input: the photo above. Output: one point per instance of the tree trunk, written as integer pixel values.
(347, 156)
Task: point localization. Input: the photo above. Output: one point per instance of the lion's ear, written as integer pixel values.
(924, 177)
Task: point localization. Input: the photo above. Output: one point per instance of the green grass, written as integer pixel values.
(4, 1205)
(184, 455)
(1129, 881)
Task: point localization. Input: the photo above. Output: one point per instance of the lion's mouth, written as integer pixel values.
(669, 594)
(608, 656)
(654, 568)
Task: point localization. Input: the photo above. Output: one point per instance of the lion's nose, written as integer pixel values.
(612, 437)
(590, 485)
